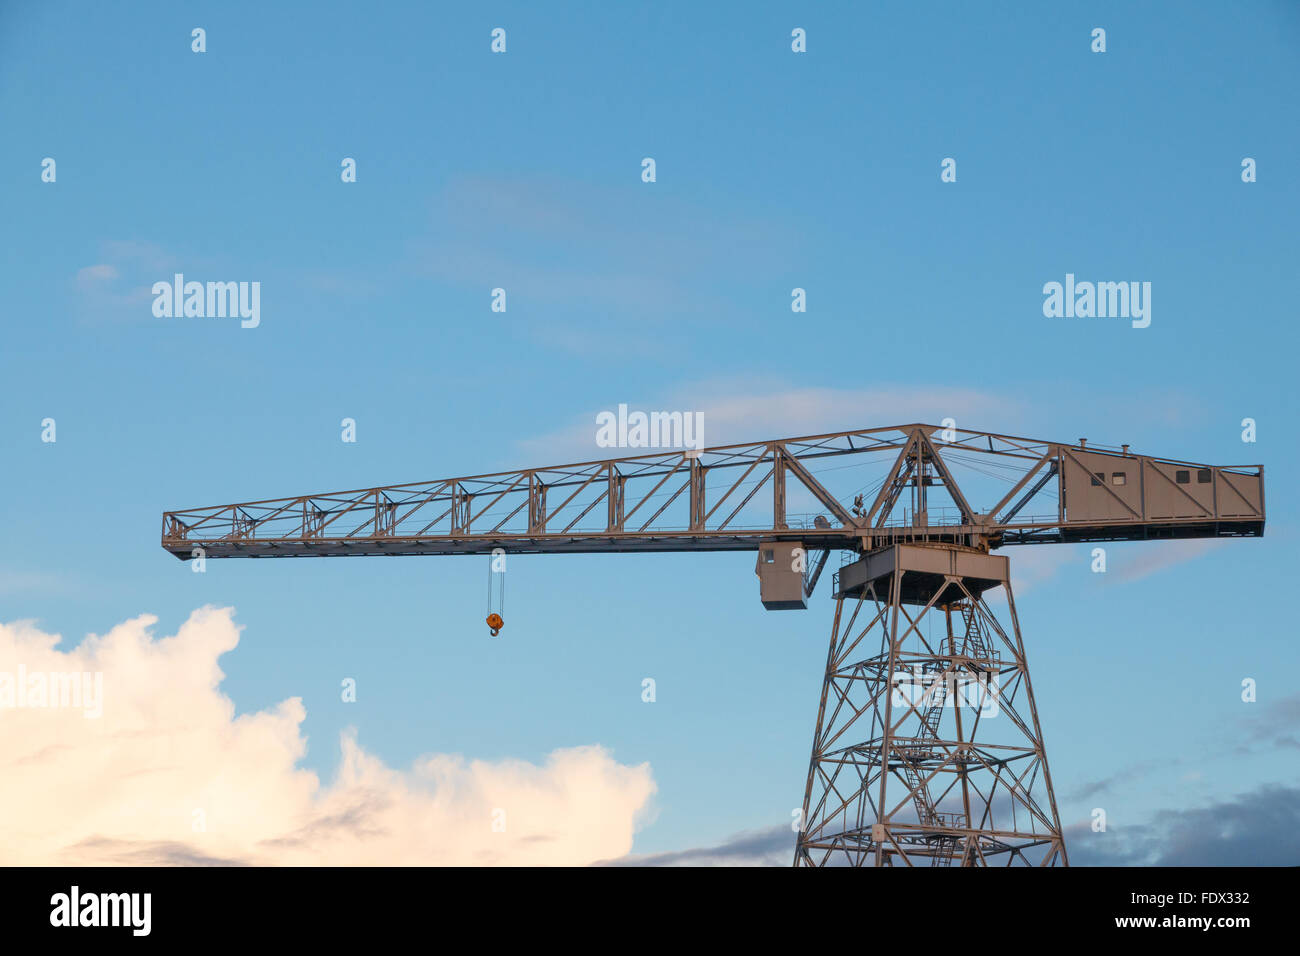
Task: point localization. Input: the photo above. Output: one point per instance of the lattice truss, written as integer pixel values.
(857, 489)
(948, 768)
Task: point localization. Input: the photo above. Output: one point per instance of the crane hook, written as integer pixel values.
(496, 591)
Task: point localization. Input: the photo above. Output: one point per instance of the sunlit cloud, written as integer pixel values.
(161, 769)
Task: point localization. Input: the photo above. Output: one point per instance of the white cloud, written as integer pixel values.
(1153, 556)
(147, 254)
(1031, 567)
(120, 286)
(97, 273)
(645, 255)
(124, 788)
(744, 411)
(14, 582)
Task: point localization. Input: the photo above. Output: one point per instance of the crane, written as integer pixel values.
(927, 748)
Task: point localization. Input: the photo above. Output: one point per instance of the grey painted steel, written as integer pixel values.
(626, 504)
(781, 570)
(927, 749)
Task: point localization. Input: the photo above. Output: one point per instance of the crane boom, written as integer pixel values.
(733, 498)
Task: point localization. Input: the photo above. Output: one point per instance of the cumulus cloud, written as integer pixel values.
(169, 773)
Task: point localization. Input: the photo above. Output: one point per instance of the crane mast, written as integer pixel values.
(927, 748)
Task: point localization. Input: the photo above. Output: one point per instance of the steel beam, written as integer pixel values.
(677, 498)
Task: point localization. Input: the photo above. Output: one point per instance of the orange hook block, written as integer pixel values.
(495, 623)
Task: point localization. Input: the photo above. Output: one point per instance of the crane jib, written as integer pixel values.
(741, 497)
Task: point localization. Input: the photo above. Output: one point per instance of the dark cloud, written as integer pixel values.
(771, 847)
(1125, 775)
(1261, 828)
(356, 821)
(1272, 726)
(146, 853)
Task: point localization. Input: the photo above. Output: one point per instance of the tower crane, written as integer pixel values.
(908, 766)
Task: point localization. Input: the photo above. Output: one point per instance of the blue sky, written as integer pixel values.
(774, 171)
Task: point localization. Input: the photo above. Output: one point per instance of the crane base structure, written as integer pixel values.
(928, 749)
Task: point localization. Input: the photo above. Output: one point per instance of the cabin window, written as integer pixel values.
(1098, 479)
(1203, 476)
(1118, 477)
(769, 556)
(1184, 477)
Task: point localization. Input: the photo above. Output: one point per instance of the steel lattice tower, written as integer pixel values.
(927, 749)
